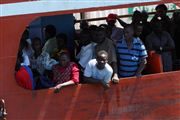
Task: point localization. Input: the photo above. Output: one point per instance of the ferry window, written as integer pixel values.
(64, 28)
(33, 39)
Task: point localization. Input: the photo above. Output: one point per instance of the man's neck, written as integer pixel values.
(129, 43)
(130, 40)
(37, 53)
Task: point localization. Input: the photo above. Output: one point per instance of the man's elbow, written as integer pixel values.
(144, 61)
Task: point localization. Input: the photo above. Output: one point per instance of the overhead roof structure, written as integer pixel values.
(21, 7)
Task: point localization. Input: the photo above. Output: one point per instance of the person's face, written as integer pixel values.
(128, 33)
(101, 61)
(138, 31)
(144, 17)
(157, 28)
(92, 35)
(84, 25)
(137, 17)
(46, 33)
(60, 42)
(36, 45)
(84, 39)
(161, 12)
(111, 23)
(99, 36)
(64, 60)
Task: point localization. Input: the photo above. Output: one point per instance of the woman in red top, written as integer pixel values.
(65, 73)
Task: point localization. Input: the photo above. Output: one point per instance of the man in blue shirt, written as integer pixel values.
(131, 54)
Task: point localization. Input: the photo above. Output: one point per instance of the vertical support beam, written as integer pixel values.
(83, 15)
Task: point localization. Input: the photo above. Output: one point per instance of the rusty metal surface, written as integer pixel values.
(151, 97)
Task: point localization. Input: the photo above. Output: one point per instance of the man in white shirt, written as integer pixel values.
(86, 54)
(98, 70)
(87, 50)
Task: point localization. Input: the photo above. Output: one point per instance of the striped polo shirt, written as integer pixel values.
(129, 59)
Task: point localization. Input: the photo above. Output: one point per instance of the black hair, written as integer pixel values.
(23, 41)
(64, 53)
(51, 30)
(26, 32)
(107, 28)
(84, 24)
(19, 55)
(102, 52)
(161, 6)
(62, 36)
(144, 14)
(93, 27)
(87, 31)
(136, 25)
(36, 39)
(103, 26)
(101, 29)
(136, 13)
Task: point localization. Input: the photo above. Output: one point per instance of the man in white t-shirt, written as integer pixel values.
(98, 70)
(87, 50)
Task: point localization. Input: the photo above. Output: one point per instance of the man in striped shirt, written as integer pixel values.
(131, 54)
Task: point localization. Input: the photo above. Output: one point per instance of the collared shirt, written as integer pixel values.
(129, 59)
(91, 70)
(86, 54)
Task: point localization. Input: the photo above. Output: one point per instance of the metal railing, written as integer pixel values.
(120, 16)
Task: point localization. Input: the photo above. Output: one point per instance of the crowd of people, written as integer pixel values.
(103, 53)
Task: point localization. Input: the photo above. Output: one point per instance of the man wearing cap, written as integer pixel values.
(117, 33)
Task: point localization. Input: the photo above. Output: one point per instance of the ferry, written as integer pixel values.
(150, 97)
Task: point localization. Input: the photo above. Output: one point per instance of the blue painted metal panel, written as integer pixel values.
(63, 24)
